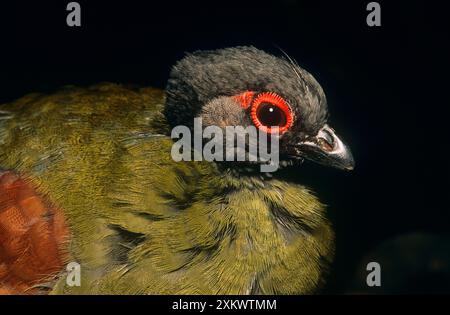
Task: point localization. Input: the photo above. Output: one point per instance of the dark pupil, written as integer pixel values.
(270, 115)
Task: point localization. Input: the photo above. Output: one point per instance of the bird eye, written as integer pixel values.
(270, 110)
(270, 115)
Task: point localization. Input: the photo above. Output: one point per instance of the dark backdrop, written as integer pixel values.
(386, 88)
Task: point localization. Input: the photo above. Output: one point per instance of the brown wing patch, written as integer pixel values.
(32, 237)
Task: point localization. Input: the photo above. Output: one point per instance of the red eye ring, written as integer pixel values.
(276, 100)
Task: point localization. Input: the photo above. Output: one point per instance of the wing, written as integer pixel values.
(60, 153)
(32, 238)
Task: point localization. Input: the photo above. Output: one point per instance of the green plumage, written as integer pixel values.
(143, 224)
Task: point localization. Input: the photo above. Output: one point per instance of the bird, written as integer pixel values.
(87, 176)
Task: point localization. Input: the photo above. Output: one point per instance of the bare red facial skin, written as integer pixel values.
(245, 99)
(248, 100)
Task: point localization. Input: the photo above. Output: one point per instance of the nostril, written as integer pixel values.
(324, 145)
(326, 140)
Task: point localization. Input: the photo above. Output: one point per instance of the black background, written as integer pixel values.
(386, 88)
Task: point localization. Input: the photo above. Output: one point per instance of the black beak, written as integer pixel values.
(326, 148)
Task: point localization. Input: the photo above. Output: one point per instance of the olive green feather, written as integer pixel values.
(143, 224)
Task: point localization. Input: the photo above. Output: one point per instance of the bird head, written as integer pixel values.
(244, 86)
